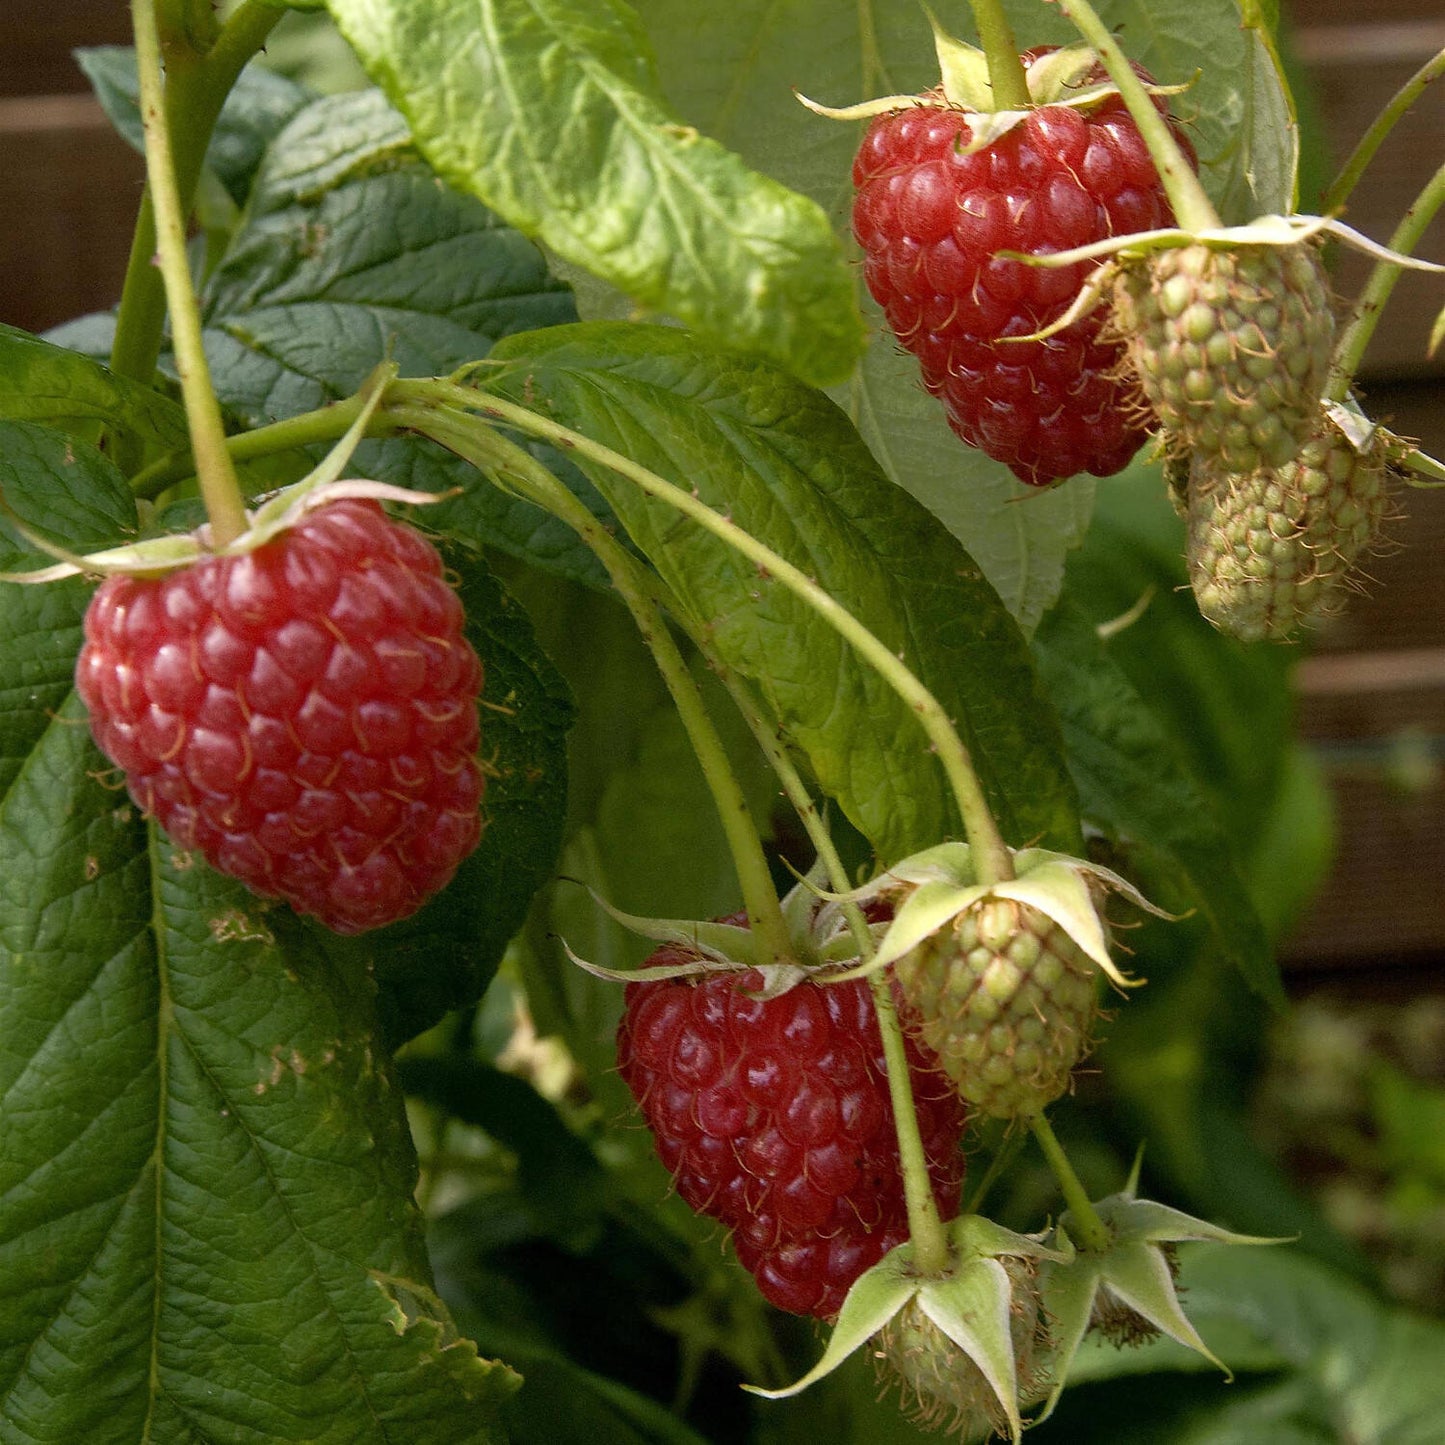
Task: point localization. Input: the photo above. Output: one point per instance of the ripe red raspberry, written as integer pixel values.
(774, 1118)
(302, 715)
(930, 221)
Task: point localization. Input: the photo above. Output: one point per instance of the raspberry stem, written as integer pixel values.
(196, 89)
(925, 1228)
(1364, 152)
(494, 455)
(798, 795)
(325, 424)
(1093, 1235)
(1193, 210)
(1006, 76)
(930, 1242)
(993, 862)
(214, 470)
(1365, 313)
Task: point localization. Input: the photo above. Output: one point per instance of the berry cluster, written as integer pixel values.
(773, 1117)
(932, 221)
(303, 715)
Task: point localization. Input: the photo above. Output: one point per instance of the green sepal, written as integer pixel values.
(1262, 231)
(693, 968)
(1058, 890)
(962, 69)
(944, 885)
(972, 1309)
(726, 943)
(875, 1297)
(1134, 1270)
(930, 907)
(278, 513)
(970, 1304)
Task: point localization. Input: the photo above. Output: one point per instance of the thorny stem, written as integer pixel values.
(1006, 76)
(1193, 210)
(1383, 124)
(196, 89)
(1376, 292)
(495, 455)
(214, 470)
(991, 857)
(1092, 1234)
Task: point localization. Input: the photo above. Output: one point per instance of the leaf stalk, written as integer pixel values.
(494, 455)
(992, 858)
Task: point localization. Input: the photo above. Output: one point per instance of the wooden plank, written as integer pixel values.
(1383, 898)
(37, 36)
(1356, 68)
(76, 186)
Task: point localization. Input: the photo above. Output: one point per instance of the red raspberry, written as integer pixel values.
(303, 715)
(930, 220)
(774, 1118)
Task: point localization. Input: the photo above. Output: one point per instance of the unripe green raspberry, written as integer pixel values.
(941, 1387)
(1275, 550)
(1005, 998)
(1231, 347)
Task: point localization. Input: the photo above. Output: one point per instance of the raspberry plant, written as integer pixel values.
(514, 487)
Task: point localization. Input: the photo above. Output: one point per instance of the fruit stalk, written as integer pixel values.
(1365, 313)
(1380, 127)
(493, 454)
(925, 1228)
(1005, 69)
(797, 794)
(1093, 1236)
(1193, 210)
(214, 470)
(325, 424)
(993, 862)
(196, 89)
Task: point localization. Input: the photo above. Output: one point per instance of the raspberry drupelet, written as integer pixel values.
(303, 715)
(932, 221)
(774, 1118)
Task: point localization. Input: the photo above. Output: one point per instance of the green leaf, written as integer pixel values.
(1133, 783)
(259, 105)
(739, 88)
(206, 1226)
(785, 464)
(443, 956)
(350, 254)
(1018, 535)
(42, 382)
(551, 113)
(61, 488)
